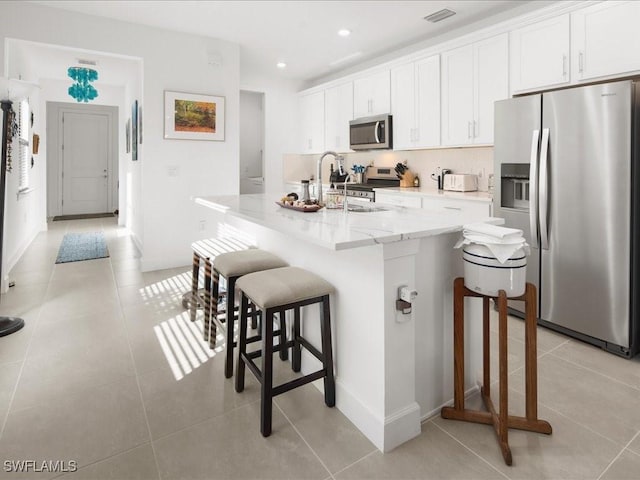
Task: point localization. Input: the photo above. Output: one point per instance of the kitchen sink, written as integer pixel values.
(365, 208)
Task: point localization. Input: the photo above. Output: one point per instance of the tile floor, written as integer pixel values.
(88, 380)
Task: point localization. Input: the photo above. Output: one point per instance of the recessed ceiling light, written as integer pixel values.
(439, 15)
(344, 32)
(281, 65)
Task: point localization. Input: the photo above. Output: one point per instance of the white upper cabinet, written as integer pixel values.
(473, 78)
(539, 54)
(491, 73)
(312, 122)
(372, 95)
(338, 110)
(415, 101)
(605, 40)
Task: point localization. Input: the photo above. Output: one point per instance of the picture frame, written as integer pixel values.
(134, 131)
(127, 134)
(189, 116)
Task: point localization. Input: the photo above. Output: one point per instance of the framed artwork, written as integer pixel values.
(140, 125)
(189, 116)
(134, 131)
(127, 133)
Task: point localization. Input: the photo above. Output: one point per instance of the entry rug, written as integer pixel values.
(77, 247)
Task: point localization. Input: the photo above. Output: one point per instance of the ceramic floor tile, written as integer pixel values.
(231, 447)
(594, 358)
(433, 454)
(136, 464)
(173, 403)
(80, 302)
(635, 445)
(547, 339)
(604, 405)
(13, 347)
(330, 434)
(9, 373)
(85, 428)
(626, 467)
(22, 299)
(73, 369)
(570, 452)
(31, 277)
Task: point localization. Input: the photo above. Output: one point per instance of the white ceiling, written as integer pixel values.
(301, 33)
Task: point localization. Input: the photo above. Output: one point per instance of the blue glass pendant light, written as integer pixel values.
(82, 90)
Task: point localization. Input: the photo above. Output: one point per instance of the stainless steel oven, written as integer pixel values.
(374, 177)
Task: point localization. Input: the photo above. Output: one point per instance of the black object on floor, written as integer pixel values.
(83, 216)
(8, 325)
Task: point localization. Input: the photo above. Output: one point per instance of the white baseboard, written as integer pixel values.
(15, 258)
(436, 411)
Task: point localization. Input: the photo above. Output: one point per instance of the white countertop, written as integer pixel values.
(336, 230)
(428, 191)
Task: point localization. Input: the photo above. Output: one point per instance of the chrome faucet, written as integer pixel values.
(339, 160)
(344, 202)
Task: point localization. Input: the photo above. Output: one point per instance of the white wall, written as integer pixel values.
(165, 218)
(251, 141)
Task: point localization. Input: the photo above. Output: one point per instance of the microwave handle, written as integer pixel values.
(376, 132)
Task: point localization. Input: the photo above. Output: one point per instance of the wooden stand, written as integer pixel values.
(501, 420)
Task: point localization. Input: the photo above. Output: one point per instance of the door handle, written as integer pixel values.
(544, 190)
(533, 193)
(376, 132)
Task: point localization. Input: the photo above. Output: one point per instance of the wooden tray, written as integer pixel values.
(310, 208)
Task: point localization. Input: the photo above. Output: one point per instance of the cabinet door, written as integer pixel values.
(403, 106)
(469, 208)
(457, 96)
(338, 109)
(491, 75)
(372, 95)
(427, 92)
(312, 122)
(605, 39)
(539, 54)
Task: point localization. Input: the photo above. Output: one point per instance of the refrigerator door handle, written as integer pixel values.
(533, 192)
(544, 190)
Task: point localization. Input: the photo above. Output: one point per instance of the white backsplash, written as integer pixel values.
(478, 161)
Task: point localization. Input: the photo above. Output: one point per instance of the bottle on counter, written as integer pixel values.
(305, 190)
(416, 181)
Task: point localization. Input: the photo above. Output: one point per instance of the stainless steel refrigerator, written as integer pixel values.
(567, 174)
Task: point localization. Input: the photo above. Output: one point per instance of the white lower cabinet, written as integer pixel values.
(470, 208)
(399, 200)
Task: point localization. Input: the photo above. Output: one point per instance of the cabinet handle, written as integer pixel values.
(468, 129)
(452, 208)
(309, 144)
(580, 62)
(474, 129)
(564, 66)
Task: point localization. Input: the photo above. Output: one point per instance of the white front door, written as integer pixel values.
(85, 163)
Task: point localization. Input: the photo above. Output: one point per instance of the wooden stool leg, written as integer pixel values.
(193, 306)
(458, 343)
(284, 352)
(296, 361)
(266, 393)
(503, 423)
(242, 343)
(230, 322)
(486, 348)
(210, 302)
(327, 353)
(531, 363)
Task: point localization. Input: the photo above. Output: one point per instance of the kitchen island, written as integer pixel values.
(393, 369)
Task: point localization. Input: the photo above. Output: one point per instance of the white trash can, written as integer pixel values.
(483, 272)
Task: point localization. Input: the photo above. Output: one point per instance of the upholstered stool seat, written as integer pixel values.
(278, 290)
(232, 266)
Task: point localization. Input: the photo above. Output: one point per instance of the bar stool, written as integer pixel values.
(501, 420)
(204, 251)
(279, 290)
(232, 266)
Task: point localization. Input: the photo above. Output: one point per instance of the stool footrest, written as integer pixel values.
(316, 353)
(298, 382)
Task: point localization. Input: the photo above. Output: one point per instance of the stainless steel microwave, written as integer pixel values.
(371, 133)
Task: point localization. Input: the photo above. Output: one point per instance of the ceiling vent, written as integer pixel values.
(82, 61)
(439, 15)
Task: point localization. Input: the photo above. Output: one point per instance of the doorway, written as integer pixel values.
(251, 142)
(82, 174)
